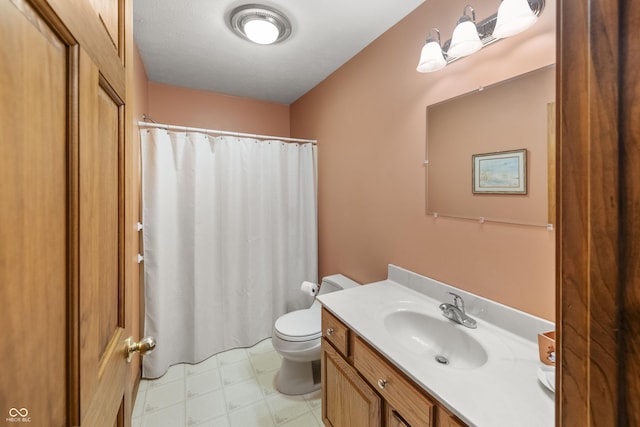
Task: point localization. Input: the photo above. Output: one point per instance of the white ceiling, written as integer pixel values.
(188, 43)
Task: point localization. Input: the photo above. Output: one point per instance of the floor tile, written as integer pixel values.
(205, 408)
(242, 394)
(268, 383)
(138, 406)
(232, 356)
(204, 366)
(203, 383)
(164, 395)
(236, 372)
(317, 413)
(265, 362)
(306, 420)
(314, 400)
(286, 408)
(175, 372)
(235, 388)
(256, 415)
(170, 416)
(217, 422)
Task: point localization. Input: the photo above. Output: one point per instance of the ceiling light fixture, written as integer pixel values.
(513, 16)
(260, 24)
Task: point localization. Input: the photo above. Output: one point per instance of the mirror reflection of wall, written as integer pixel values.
(512, 115)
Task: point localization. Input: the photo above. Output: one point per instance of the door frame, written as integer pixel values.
(598, 194)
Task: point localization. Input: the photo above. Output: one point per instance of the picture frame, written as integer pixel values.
(503, 172)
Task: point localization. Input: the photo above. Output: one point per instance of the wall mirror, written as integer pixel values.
(491, 153)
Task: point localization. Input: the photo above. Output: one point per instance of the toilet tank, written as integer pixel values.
(336, 282)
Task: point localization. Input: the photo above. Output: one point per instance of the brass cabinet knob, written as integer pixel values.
(382, 383)
(144, 346)
(330, 331)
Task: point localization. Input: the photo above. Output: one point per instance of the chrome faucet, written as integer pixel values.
(456, 312)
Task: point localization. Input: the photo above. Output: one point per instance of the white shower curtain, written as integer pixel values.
(230, 232)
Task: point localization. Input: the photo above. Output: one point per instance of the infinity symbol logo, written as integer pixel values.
(22, 412)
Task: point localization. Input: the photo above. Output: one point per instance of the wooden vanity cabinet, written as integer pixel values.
(445, 419)
(361, 388)
(347, 400)
(335, 332)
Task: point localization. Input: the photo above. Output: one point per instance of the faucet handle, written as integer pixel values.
(458, 301)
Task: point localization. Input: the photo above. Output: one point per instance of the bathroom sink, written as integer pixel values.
(438, 340)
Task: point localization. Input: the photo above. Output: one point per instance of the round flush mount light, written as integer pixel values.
(260, 24)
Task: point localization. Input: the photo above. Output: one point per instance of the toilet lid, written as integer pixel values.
(299, 325)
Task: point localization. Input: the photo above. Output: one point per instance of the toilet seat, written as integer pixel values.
(299, 325)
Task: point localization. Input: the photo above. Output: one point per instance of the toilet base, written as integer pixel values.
(296, 378)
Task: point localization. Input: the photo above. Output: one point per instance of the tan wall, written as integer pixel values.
(187, 107)
(369, 119)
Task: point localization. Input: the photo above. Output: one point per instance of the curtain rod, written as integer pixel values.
(222, 132)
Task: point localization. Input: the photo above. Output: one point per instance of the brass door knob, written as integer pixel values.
(144, 346)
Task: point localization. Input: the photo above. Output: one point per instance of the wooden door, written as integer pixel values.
(34, 111)
(103, 371)
(62, 185)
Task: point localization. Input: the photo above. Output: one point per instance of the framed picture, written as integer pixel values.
(504, 172)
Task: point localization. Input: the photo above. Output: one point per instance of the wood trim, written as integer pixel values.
(73, 312)
(551, 163)
(125, 34)
(90, 35)
(630, 211)
(104, 84)
(588, 214)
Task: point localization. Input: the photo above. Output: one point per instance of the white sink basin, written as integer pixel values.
(438, 340)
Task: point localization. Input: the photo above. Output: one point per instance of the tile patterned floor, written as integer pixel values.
(231, 389)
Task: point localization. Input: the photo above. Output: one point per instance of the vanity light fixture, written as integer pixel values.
(260, 24)
(513, 16)
(431, 57)
(465, 39)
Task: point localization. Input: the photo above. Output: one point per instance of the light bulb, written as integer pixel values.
(261, 31)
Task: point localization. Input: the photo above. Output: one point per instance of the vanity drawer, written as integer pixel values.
(408, 400)
(335, 332)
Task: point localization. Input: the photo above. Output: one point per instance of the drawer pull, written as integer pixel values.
(382, 383)
(330, 331)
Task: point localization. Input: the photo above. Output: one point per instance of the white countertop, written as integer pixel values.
(504, 391)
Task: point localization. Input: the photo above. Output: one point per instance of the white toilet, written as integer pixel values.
(296, 336)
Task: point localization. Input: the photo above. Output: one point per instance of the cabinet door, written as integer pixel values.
(394, 419)
(445, 419)
(347, 400)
